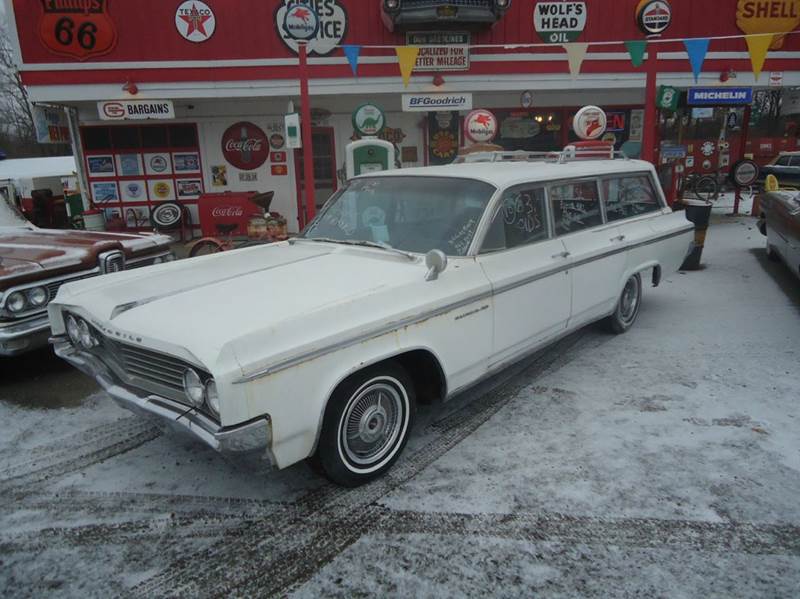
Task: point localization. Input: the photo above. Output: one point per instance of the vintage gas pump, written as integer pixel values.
(370, 154)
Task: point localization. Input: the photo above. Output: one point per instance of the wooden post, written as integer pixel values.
(310, 208)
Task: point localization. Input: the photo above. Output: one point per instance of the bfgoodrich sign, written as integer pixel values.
(436, 102)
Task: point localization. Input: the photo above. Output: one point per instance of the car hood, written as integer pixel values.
(288, 296)
(57, 250)
(17, 267)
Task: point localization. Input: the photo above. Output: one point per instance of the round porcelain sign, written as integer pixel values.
(322, 24)
(195, 21)
(480, 126)
(245, 146)
(744, 173)
(368, 120)
(590, 123)
(654, 16)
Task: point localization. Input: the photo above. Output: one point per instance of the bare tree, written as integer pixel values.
(17, 132)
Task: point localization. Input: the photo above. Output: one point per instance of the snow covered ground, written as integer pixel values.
(661, 463)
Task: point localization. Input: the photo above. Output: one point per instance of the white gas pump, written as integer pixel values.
(370, 154)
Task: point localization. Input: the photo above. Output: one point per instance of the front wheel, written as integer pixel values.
(367, 424)
(627, 308)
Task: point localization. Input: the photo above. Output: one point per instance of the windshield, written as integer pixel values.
(9, 215)
(414, 214)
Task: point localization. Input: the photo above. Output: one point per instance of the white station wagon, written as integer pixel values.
(408, 287)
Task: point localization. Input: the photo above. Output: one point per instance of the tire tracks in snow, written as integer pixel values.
(271, 557)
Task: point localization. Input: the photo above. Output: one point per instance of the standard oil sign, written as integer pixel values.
(559, 22)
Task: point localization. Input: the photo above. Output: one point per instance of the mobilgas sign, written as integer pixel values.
(719, 96)
(320, 23)
(436, 102)
(135, 110)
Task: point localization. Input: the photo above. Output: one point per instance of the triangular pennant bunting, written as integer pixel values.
(636, 49)
(697, 50)
(758, 46)
(352, 53)
(576, 52)
(407, 57)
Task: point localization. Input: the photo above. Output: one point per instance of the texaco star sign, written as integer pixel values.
(195, 21)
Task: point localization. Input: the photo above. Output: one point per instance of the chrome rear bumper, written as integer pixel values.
(254, 437)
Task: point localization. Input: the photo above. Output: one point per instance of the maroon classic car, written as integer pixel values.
(35, 262)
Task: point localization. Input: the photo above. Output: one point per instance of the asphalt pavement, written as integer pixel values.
(660, 463)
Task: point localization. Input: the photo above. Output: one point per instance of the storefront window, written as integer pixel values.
(529, 130)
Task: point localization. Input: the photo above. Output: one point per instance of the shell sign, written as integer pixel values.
(768, 16)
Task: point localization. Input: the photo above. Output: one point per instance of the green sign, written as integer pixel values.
(668, 98)
(368, 120)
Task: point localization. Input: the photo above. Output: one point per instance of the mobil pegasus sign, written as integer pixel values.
(322, 24)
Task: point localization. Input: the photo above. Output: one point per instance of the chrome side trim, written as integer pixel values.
(409, 321)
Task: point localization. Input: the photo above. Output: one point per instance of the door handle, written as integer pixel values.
(618, 238)
(561, 255)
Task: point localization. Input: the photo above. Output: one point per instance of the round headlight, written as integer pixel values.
(157, 260)
(169, 258)
(38, 296)
(212, 397)
(86, 338)
(16, 302)
(194, 388)
(73, 331)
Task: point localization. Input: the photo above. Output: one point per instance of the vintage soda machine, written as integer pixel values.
(369, 154)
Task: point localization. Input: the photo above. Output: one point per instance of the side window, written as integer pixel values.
(576, 206)
(629, 196)
(521, 220)
(782, 161)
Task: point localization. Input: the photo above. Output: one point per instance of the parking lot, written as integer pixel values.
(664, 462)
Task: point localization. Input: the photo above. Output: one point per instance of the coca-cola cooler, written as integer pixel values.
(219, 211)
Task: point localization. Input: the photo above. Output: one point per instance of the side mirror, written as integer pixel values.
(436, 261)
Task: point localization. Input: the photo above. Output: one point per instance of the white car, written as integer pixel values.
(408, 287)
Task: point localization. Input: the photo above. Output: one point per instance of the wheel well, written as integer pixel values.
(424, 369)
(656, 275)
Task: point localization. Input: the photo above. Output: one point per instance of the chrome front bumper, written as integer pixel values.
(19, 337)
(254, 437)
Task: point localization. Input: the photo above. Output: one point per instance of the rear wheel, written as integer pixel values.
(706, 188)
(367, 424)
(627, 308)
(204, 247)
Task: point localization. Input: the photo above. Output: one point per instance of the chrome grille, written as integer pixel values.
(113, 261)
(433, 3)
(152, 371)
(54, 286)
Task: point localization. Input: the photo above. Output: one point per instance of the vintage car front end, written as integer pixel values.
(426, 14)
(173, 387)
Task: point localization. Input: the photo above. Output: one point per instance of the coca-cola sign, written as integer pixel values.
(245, 146)
(227, 212)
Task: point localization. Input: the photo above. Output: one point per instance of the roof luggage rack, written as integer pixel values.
(573, 152)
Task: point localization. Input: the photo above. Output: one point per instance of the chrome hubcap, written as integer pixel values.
(372, 423)
(629, 301)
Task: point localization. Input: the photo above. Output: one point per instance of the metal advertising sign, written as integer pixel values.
(79, 29)
(667, 98)
(480, 126)
(322, 24)
(368, 120)
(245, 146)
(559, 22)
(440, 50)
(715, 96)
(195, 21)
(590, 123)
(436, 102)
(51, 125)
(653, 16)
(135, 110)
(768, 16)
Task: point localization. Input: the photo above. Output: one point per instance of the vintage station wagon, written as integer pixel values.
(409, 286)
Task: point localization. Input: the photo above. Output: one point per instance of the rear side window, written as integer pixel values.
(575, 206)
(782, 161)
(521, 220)
(629, 196)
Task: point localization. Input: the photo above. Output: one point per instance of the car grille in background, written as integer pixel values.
(139, 264)
(114, 263)
(52, 288)
(434, 3)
